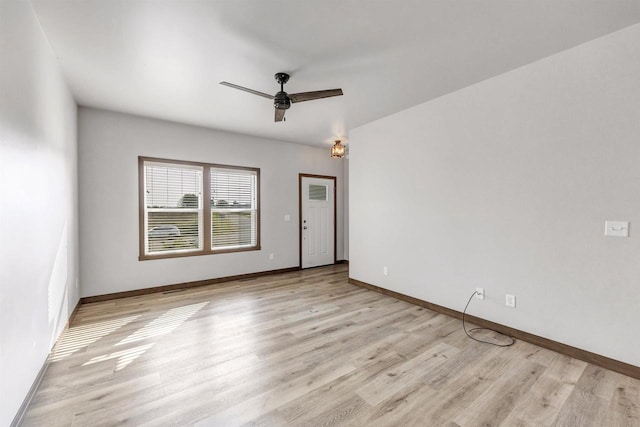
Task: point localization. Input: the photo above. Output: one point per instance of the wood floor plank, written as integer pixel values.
(463, 361)
(547, 396)
(422, 404)
(271, 399)
(307, 348)
(585, 396)
(495, 404)
(404, 375)
(315, 406)
(349, 411)
(624, 408)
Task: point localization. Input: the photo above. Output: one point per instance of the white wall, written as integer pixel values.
(38, 197)
(506, 185)
(110, 144)
(346, 208)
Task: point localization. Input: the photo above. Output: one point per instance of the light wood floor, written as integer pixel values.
(309, 349)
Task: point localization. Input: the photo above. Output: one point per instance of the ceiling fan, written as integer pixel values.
(282, 100)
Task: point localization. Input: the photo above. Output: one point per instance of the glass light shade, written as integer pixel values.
(337, 151)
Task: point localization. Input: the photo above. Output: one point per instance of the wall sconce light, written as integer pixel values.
(337, 151)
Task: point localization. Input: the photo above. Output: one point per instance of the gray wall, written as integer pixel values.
(38, 216)
(110, 144)
(506, 185)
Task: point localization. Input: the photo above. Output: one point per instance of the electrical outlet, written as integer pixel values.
(510, 301)
(385, 271)
(480, 293)
(272, 256)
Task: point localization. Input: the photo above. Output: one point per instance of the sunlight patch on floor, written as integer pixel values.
(78, 337)
(164, 324)
(125, 357)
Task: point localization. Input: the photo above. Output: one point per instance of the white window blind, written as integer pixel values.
(173, 208)
(234, 208)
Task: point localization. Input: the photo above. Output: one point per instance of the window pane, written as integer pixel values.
(234, 208)
(172, 230)
(172, 186)
(232, 189)
(173, 207)
(233, 229)
(317, 192)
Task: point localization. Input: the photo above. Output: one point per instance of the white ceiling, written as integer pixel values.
(164, 59)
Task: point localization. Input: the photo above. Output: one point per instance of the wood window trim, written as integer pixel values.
(206, 190)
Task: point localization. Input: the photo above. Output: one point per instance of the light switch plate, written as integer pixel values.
(510, 300)
(616, 228)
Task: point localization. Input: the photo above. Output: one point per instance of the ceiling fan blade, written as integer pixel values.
(255, 92)
(310, 96)
(280, 115)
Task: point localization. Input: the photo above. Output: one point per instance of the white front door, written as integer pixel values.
(317, 221)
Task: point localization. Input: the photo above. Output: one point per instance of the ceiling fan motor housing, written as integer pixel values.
(281, 101)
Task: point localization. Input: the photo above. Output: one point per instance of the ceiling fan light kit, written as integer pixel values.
(282, 100)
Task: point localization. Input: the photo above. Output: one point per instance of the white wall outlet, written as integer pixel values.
(385, 270)
(510, 301)
(287, 218)
(272, 256)
(616, 228)
(480, 293)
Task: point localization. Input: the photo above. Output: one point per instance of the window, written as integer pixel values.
(177, 219)
(317, 192)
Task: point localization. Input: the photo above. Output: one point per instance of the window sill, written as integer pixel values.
(197, 253)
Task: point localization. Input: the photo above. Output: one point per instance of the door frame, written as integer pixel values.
(335, 213)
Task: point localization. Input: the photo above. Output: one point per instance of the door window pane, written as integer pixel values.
(317, 192)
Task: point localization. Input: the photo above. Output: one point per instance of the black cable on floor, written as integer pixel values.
(464, 312)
